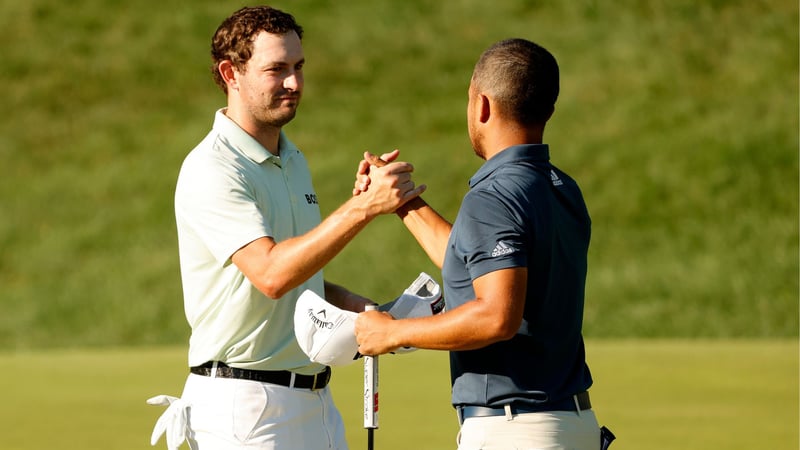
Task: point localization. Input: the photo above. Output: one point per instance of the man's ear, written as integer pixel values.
(484, 108)
(228, 73)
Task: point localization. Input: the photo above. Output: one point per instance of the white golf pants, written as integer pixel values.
(227, 414)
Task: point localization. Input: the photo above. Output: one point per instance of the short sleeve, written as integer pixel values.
(491, 234)
(216, 205)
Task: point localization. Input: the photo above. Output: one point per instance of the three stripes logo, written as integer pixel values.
(502, 249)
(554, 178)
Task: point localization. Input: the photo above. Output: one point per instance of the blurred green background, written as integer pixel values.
(679, 119)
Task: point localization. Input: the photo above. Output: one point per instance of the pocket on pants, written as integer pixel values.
(249, 404)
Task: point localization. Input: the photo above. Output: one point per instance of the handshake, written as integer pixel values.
(326, 333)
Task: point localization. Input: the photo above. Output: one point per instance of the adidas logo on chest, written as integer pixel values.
(554, 178)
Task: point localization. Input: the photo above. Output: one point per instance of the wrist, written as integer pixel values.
(414, 203)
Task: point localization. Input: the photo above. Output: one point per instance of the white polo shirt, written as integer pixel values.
(230, 192)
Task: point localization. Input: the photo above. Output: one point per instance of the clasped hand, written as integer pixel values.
(389, 181)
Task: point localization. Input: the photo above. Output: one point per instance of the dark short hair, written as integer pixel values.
(233, 40)
(522, 77)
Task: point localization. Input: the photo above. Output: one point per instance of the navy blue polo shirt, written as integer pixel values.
(521, 211)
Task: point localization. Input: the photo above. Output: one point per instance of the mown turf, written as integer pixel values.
(654, 394)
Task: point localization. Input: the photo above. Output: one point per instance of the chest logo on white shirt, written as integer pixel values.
(502, 249)
(311, 199)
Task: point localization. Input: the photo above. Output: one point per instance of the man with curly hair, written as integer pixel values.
(251, 240)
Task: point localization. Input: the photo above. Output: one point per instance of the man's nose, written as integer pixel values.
(293, 82)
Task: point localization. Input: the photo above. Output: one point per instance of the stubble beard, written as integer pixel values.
(279, 120)
(475, 139)
(278, 116)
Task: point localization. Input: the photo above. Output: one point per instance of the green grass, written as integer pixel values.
(654, 394)
(679, 119)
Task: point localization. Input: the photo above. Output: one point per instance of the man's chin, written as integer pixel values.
(279, 120)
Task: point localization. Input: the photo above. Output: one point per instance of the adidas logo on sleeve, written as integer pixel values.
(502, 249)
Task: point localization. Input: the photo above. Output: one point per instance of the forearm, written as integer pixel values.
(276, 268)
(467, 327)
(494, 315)
(429, 228)
(345, 299)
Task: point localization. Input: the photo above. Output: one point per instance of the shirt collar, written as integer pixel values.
(513, 154)
(248, 146)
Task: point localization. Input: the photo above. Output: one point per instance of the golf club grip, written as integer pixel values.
(371, 387)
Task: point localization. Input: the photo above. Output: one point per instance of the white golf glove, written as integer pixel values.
(422, 298)
(174, 421)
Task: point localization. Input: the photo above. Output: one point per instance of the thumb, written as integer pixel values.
(373, 160)
(383, 160)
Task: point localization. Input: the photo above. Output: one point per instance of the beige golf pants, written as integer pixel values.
(555, 430)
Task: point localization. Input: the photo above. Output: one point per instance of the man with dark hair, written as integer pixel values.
(513, 267)
(251, 240)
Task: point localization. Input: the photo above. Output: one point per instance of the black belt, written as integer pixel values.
(578, 402)
(281, 377)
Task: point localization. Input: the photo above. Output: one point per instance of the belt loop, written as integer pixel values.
(577, 404)
(292, 379)
(214, 369)
(509, 416)
(314, 382)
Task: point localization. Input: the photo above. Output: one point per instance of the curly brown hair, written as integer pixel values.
(233, 40)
